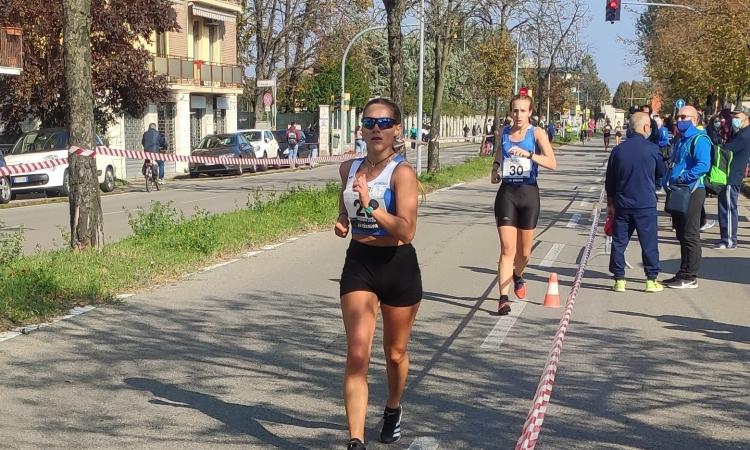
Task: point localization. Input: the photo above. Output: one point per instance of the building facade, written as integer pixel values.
(200, 63)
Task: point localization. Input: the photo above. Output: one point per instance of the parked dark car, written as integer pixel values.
(5, 194)
(231, 145)
(304, 146)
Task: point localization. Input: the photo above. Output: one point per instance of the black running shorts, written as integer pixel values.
(391, 273)
(517, 205)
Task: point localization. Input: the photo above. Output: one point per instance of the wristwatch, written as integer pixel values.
(372, 206)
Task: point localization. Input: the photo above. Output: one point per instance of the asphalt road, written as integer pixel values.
(46, 225)
(250, 354)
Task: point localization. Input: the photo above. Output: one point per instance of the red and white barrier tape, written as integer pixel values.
(532, 428)
(17, 169)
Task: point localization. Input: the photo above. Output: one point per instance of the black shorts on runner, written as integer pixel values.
(391, 273)
(517, 205)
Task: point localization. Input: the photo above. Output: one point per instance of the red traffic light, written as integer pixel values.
(613, 4)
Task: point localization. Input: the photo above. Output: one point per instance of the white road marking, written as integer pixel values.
(495, 339)
(593, 188)
(292, 239)
(584, 204)
(76, 311)
(552, 255)
(573, 221)
(424, 443)
(216, 266)
(448, 188)
(271, 247)
(252, 253)
(123, 296)
(599, 180)
(202, 199)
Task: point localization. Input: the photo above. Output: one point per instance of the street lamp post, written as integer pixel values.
(342, 121)
(420, 88)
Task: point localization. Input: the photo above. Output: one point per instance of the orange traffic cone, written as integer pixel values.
(552, 298)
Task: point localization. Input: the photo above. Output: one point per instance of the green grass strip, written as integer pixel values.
(166, 245)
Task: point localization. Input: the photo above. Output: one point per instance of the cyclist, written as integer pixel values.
(378, 203)
(154, 142)
(524, 148)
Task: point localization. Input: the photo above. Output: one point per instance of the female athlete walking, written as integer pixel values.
(378, 203)
(524, 149)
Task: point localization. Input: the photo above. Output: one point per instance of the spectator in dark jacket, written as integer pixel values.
(739, 145)
(633, 169)
(154, 142)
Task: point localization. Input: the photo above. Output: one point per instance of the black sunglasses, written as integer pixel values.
(383, 123)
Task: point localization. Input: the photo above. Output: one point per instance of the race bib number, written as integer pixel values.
(516, 167)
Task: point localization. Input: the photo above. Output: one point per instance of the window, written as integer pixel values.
(197, 39)
(213, 32)
(161, 44)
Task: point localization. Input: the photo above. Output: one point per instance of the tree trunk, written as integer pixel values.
(86, 227)
(442, 55)
(395, 11)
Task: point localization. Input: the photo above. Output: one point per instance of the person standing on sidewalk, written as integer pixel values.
(634, 166)
(378, 203)
(739, 145)
(523, 149)
(690, 162)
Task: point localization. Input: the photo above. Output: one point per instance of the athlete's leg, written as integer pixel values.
(524, 241)
(360, 312)
(508, 240)
(397, 324)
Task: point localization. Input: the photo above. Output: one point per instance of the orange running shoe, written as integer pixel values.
(519, 287)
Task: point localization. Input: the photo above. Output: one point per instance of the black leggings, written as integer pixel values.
(517, 205)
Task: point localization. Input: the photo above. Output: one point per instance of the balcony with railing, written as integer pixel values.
(187, 71)
(11, 50)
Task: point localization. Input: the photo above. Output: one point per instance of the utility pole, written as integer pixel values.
(86, 220)
(420, 88)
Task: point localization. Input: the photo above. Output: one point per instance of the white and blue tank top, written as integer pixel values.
(380, 191)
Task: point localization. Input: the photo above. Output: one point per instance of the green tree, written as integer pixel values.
(326, 83)
(121, 75)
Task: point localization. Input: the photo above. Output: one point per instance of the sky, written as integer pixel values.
(613, 58)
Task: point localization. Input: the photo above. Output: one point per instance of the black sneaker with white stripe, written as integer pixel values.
(391, 431)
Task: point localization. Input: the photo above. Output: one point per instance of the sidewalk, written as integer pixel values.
(246, 355)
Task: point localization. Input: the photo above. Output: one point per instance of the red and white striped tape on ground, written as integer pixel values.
(532, 428)
(17, 169)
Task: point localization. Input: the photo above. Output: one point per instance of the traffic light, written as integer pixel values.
(613, 10)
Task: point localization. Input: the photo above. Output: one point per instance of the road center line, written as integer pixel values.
(573, 221)
(495, 339)
(552, 255)
(202, 199)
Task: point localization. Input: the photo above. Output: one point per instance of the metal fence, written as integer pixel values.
(181, 70)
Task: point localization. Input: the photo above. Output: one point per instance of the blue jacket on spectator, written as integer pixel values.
(663, 137)
(153, 141)
(634, 166)
(690, 168)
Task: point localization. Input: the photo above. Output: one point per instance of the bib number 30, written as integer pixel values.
(516, 167)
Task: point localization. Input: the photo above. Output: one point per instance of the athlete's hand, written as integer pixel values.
(610, 210)
(342, 226)
(515, 151)
(360, 187)
(495, 177)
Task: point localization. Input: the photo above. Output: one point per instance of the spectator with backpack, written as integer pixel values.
(293, 138)
(691, 161)
(737, 155)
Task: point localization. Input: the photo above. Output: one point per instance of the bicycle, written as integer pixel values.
(151, 173)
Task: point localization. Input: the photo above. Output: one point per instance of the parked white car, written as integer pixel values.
(263, 142)
(48, 144)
